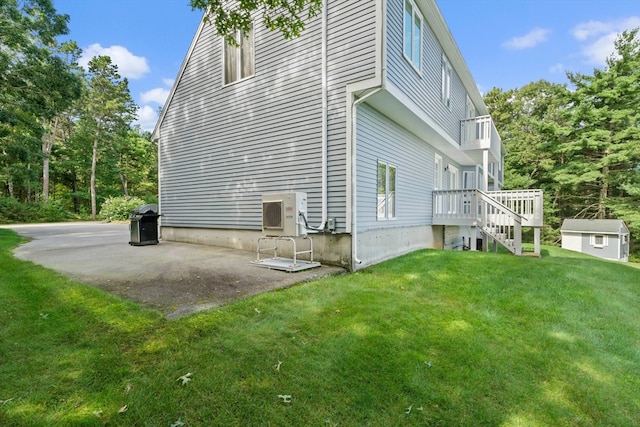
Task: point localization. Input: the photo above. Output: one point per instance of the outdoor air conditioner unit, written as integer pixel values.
(281, 214)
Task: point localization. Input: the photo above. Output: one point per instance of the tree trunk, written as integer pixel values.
(48, 140)
(94, 162)
(604, 194)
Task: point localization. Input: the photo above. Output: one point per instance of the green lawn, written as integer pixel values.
(431, 338)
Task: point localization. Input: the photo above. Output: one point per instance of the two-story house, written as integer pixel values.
(372, 113)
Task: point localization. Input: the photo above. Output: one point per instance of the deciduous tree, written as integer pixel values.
(286, 16)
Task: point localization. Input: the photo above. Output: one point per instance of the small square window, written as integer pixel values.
(599, 240)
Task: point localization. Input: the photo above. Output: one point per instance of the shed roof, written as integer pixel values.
(606, 226)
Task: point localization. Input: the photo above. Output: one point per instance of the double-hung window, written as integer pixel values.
(239, 60)
(412, 34)
(386, 191)
(446, 82)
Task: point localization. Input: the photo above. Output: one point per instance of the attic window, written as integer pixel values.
(412, 34)
(239, 60)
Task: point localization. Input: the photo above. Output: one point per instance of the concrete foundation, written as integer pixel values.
(374, 246)
(329, 249)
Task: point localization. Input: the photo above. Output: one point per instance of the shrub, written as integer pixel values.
(119, 208)
(12, 211)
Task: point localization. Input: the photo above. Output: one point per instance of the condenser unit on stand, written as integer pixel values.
(284, 220)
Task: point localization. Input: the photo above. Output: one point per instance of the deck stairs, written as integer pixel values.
(499, 215)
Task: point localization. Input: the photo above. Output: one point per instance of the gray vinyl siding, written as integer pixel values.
(222, 147)
(610, 251)
(423, 88)
(379, 138)
(351, 58)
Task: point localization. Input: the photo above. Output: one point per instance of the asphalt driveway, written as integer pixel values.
(176, 278)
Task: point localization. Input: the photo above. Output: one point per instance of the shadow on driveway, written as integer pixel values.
(175, 278)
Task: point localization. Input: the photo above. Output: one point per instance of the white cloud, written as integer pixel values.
(529, 40)
(158, 95)
(129, 65)
(147, 118)
(169, 82)
(557, 68)
(599, 37)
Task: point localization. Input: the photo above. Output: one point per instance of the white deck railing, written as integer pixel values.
(499, 214)
(480, 133)
(526, 203)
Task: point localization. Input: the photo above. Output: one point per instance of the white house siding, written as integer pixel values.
(222, 147)
(379, 138)
(423, 88)
(572, 241)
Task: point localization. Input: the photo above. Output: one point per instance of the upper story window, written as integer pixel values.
(412, 34)
(446, 82)
(239, 60)
(471, 109)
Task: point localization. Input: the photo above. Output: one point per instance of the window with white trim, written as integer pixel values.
(239, 60)
(412, 37)
(386, 190)
(446, 82)
(599, 240)
(437, 182)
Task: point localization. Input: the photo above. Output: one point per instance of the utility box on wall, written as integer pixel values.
(281, 214)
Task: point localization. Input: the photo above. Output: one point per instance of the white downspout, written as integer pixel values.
(325, 119)
(354, 193)
(376, 85)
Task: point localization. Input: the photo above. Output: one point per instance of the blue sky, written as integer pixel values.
(506, 43)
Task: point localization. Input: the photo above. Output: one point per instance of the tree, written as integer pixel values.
(107, 107)
(581, 146)
(35, 82)
(604, 133)
(286, 16)
(61, 87)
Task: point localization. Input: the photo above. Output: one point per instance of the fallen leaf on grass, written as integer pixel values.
(185, 378)
(127, 389)
(286, 398)
(177, 423)
(278, 366)
(123, 409)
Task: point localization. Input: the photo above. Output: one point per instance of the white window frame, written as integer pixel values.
(447, 72)
(386, 203)
(245, 49)
(471, 109)
(438, 178)
(605, 240)
(453, 183)
(412, 34)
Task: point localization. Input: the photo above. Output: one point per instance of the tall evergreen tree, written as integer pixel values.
(603, 142)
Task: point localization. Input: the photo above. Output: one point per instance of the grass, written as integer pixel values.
(431, 338)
